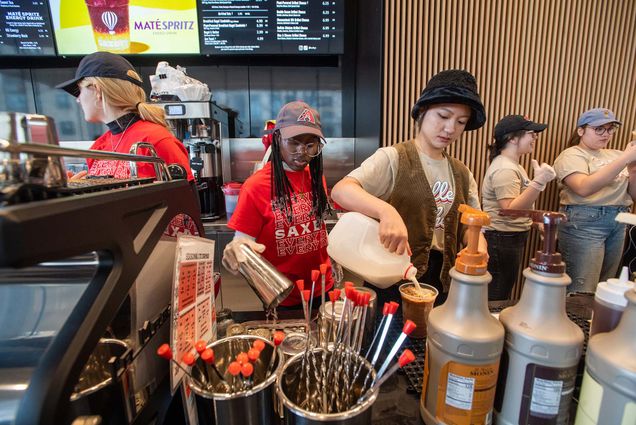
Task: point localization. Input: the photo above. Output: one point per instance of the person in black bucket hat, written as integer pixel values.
(414, 188)
(453, 86)
(506, 185)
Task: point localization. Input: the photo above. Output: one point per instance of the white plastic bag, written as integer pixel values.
(170, 81)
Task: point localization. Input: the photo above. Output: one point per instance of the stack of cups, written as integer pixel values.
(231, 191)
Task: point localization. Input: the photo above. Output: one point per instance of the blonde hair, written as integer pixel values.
(124, 95)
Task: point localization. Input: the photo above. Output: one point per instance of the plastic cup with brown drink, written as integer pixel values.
(109, 19)
(417, 303)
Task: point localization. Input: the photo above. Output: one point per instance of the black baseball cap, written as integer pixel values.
(512, 123)
(101, 64)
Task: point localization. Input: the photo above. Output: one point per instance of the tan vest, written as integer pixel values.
(413, 199)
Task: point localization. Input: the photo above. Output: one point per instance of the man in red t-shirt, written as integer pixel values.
(281, 207)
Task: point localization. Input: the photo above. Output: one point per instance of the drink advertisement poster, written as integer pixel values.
(193, 313)
(125, 27)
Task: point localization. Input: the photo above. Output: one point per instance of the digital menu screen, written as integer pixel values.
(25, 28)
(271, 26)
(125, 26)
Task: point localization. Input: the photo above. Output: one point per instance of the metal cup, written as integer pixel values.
(289, 385)
(251, 406)
(270, 285)
(328, 319)
(95, 387)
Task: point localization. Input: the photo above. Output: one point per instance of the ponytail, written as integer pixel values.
(129, 97)
(574, 139)
(498, 145)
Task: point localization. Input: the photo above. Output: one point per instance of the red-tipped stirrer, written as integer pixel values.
(315, 274)
(409, 326)
(247, 370)
(234, 369)
(242, 358)
(323, 273)
(208, 357)
(393, 306)
(366, 298)
(385, 312)
(333, 297)
(306, 296)
(165, 352)
(300, 284)
(258, 344)
(279, 336)
(404, 359)
(253, 354)
(200, 346)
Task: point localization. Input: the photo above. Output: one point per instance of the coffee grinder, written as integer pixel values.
(195, 125)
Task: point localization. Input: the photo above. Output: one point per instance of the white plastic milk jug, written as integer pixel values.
(354, 243)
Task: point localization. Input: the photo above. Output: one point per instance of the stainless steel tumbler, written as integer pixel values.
(270, 285)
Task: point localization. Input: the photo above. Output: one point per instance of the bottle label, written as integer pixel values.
(547, 392)
(466, 393)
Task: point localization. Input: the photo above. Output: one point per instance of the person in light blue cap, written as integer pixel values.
(596, 183)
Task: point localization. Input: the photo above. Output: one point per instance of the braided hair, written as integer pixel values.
(282, 191)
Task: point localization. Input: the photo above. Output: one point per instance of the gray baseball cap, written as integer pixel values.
(296, 118)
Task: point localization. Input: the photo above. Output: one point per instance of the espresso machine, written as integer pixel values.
(201, 127)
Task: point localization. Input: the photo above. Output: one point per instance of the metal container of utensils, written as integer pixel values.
(18, 128)
(329, 315)
(327, 387)
(270, 285)
(95, 387)
(233, 400)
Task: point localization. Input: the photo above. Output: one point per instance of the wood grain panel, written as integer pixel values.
(547, 59)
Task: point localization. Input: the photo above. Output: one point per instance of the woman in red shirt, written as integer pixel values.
(109, 91)
(281, 208)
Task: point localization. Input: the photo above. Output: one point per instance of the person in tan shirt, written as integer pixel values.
(506, 185)
(596, 184)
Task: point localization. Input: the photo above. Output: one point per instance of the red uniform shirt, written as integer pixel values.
(168, 148)
(296, 248)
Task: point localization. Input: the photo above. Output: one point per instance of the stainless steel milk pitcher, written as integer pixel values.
(270, 285)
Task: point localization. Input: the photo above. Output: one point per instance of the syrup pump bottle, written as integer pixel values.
(464, 341)
(543, 346)
(608, 393)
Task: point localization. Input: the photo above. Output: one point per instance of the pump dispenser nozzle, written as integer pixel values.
(546, 260)
(470, 260)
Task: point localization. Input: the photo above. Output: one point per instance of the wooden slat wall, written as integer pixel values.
(547, 59)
